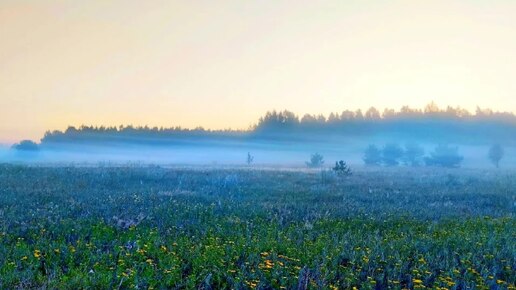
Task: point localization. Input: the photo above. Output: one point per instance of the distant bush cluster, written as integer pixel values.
(413, 154)
(316, 160)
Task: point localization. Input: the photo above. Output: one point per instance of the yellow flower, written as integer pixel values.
(417, 281)
(24, 258)
(37, 254)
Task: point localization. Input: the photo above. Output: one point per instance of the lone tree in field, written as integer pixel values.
(413, 154)
(445, 156)
(372, 155)
(391, 154)
(341, 168)
(250, 158)
(496, 154)
(316, 160)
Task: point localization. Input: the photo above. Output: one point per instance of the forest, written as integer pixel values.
(431, 124)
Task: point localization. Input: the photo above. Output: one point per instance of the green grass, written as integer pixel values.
(255, 229)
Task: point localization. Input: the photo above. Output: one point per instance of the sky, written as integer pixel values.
(223, 64)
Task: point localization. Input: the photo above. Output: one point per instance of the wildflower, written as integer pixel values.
(417, 281)
(24, 258)
(37, 254)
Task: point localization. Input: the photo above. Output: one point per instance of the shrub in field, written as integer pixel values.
(372, 155)
(341, 168)
(250, 158)
(392, 154)
(495, 154)
(445, 156)
(316, 160)
(26, 145)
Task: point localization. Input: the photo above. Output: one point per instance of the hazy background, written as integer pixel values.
(222, 64)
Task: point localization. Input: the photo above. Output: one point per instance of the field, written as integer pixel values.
(153, 228)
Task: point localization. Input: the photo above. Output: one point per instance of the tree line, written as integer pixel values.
(449, 125)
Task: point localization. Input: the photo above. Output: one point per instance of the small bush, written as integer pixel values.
(316, 160)
(341, 168)
(391, 154)
(495, 154)
(445, 156)
(413, 154)
(250, 158)
(372, 155)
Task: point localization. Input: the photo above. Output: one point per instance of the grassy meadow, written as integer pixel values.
(150, 227)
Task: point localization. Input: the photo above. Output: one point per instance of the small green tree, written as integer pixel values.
(445, 156)
(391, 154)
(495, 154)
(341, 168)
(413, 154)
(372, 155)
(250, 158)
(316, 160)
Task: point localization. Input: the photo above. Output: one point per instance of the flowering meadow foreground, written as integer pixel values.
(160, 228)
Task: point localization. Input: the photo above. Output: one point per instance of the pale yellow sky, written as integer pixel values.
(222, 64)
